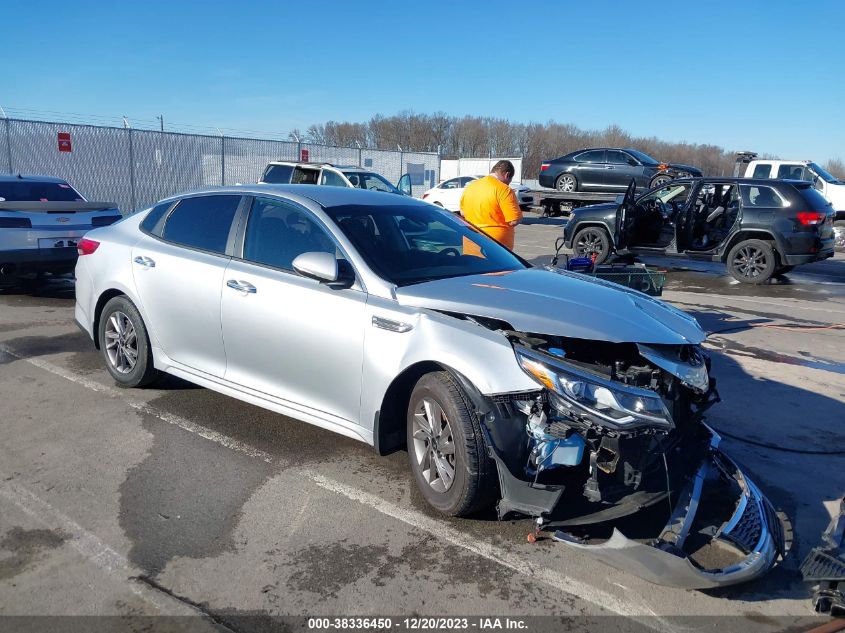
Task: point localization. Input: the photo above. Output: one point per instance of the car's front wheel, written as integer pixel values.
(592, 241)
(125, 344)
(446, 449)
(752, 262)
(659, 180)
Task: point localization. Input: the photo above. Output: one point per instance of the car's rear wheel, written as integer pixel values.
(752, 261)
(125, 344)
(592, 241)
(446, 449)
(566, 183)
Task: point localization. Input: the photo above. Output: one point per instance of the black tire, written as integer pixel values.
(118, 343)
(567, 183)
(474, 482)
(752, 262)
(660, 179)
(592, 239)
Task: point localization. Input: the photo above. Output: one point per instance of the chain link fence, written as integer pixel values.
(136, 168)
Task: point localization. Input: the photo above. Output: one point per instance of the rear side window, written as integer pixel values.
(756, 196)
(762, 171)
(794, 172)
(202, 222)
(594, 156)
(277, 174)
(30, 191)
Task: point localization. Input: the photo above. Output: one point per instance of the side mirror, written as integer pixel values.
(404, 184)
(319, 266)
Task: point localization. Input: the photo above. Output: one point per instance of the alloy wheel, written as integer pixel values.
(434, 445)
(121, 342)
(590, 242)
(750, 261)
(566, 184)
(839, 236)
(660, 180)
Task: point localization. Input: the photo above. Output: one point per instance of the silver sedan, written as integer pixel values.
(548, 394)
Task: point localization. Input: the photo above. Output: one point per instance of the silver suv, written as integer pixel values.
(386, 319)
(283, 173)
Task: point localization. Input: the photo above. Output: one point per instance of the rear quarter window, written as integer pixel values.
(814, 200)
(152, 223)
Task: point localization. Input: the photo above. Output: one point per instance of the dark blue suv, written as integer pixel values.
(757, 227)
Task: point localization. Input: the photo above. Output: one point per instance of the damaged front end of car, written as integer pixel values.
(612, 455)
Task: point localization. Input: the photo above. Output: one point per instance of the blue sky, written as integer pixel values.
(762, 75)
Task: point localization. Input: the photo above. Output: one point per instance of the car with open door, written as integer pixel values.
(564, 400)
(758, 228)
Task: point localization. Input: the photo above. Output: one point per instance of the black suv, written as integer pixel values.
(609, 169)
(757, 227)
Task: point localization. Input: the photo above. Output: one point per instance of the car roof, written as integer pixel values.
(295, 163)
(324, 196)
(30, 178)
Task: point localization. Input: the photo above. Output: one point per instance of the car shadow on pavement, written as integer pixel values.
(790, 443)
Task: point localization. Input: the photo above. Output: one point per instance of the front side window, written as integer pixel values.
(408, 244)
(278, 232)
(763, 170)
(277, 174)
(453, 183)
(332, 179)
(371, 181)
(618, 158)
(593, 156)
(756, 196)
(466, 180)
(675, 194)
(203, 222)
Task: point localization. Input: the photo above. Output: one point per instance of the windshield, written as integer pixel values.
(821, 173)
(643, 158)
(370, 180)
(32, 191)
(408, 244)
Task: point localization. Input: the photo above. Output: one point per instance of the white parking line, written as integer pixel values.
(442, 531)
(88, 545)
(114, 392)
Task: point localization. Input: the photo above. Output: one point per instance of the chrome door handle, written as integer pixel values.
(241, 286)
(146, 262)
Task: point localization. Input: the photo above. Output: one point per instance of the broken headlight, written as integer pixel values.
(608, 402)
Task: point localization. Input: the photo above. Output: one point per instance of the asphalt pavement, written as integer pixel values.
(176, 500)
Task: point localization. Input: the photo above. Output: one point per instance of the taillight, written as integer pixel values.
(425, 195)
(544, 167)
(86, 246)
(811, 218)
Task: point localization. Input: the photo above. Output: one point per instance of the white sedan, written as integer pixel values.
(448, 193)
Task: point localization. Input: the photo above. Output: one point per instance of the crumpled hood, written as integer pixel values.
(558, 303)
(688, 168)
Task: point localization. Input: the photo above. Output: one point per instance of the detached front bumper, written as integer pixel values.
(753, 531)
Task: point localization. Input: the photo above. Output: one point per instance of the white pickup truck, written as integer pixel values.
(833, 189)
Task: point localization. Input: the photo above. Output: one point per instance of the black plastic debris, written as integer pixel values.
(825, 568)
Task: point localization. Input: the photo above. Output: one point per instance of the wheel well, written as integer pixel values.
(389, 432)
(750, 235)
(107, 296)
(592, 224)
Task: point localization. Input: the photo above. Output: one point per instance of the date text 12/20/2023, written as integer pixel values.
(416, 623)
